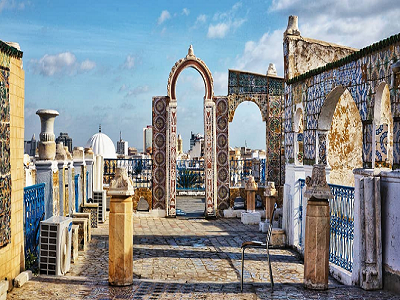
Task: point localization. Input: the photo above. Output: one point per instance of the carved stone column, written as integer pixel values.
(270, 199)
(47, 145)
(120, 263)
(316, 248)
(251, 188)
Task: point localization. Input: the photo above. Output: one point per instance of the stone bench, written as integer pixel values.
(93, 209)
(82, 232)
(75, 243)
(87, 216)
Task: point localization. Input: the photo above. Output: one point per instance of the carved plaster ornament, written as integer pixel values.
(251, 184)
(121, 180)
(270, 190)
(60, 152)
(69, 156)
(190, 51)
(316, 185)
(272, 70)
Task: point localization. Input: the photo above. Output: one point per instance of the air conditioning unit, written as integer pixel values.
(55, 245)
(99, 197)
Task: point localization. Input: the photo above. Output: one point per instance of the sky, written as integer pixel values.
(101, 62)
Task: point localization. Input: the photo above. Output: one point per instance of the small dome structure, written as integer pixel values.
(102, 145)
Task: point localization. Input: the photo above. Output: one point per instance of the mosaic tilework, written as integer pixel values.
(222, 129)
(367, 142)
(274, 130)
(171, 158)
(267, 93)
(209, 156)
(361, 77)
(322, 148)
(93, 210)
(159, 151)
(381, 140)
(5, 167)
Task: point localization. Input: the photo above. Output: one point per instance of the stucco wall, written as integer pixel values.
(12, 256)
(303, 54)
(345, 141)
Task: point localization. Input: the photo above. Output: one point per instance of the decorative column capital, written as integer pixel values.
(122, 184)
(316, 185)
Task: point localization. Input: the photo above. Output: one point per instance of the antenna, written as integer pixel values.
(120, 137)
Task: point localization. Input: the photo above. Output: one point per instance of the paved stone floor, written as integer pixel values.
(187, 259)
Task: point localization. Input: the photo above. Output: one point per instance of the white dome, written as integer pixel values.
(102, 145)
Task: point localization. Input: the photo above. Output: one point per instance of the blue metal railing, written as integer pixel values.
(341, 225)
(139, 170)
(190, 175)
(240, 169)
(33, 214)
(76, 178)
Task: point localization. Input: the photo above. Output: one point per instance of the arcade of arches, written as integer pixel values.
(265, 90)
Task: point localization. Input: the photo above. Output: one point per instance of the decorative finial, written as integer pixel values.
(190, 51)
(100, 128)
(272, 70)
(293, 26)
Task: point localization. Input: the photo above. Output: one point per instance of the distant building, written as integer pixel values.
(102, 145)
(194, 137)
(30, 146)
(197, 151)
(179, 144)
(147, 139)
(122, 146)
(66, 140)
(132, 151)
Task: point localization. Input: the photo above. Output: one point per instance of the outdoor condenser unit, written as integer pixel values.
(55, 245)
(99, 197)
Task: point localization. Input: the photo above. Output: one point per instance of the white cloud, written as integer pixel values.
(201, 19)
(64, 63)
(217, 31)
(185, 11)
(129, 62)
(13, 4)
(339, 21)
(226, 22)
(257, 55)
(220, 83)
(87, 65)
(137, 91)
(165, 15)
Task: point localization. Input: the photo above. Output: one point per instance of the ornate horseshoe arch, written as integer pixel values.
(165, 138)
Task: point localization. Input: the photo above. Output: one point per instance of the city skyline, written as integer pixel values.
(96, 63)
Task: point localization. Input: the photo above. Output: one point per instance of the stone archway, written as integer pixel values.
(165, 137)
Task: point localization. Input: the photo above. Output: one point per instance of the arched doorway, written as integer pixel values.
(340, 136)
(165, 140)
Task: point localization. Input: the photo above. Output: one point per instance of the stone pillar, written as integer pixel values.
(47, 172)
(270, 199)
(120, 263)
(367, 250)
(98, 171)
(47, 146)
(71, 188)
(61, 157)
(89, 160)
(251, 188)
(316, 248)
(80, 168)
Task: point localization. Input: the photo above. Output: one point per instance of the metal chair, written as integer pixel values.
(257, 244)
